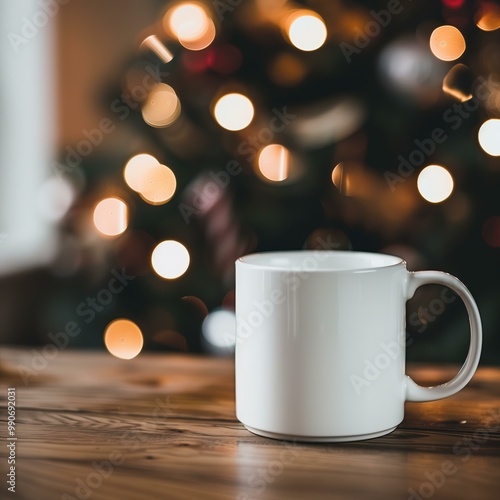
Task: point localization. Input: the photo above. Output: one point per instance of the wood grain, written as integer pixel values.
(164, 427)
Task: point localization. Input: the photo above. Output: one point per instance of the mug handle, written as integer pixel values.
(415, 392)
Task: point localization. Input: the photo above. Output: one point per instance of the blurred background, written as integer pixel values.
(147, 145)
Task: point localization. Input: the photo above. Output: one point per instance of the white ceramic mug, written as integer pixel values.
(320, 344)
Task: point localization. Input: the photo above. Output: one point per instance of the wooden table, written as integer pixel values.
(163, 427)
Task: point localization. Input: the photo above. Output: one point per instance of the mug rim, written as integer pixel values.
(252, 261)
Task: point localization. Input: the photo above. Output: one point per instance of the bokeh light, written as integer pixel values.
(136, 170)
(191, 24)
(161, 107)
(307, 31)
(158, 185)
(435, 183)
(123, 339)
(447, 43)
(203, 41)
(491, 231)
(489, 136)
(111, 216)
(488, 16)
(170, 259)
(340, 179)
(458, 83)
(274, 162)
(153, 43)
(219, 331)
(337, 174)
(234, 111)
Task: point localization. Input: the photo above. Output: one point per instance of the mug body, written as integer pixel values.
(320, 344)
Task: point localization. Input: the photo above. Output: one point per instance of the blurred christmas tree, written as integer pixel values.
(265, 125)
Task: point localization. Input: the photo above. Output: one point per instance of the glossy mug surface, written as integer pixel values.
(320, 344)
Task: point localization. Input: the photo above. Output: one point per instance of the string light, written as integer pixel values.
(170, 259)
(136, 169)
(111, 216)
(153, 43)
(158, 185)
(435, 183)
(161, 107)
(234, 111)
(274, 162)
(447, 43)
(488, 16)
(306, 31)
(458, 83)
(489, 136)
(190, 23)
(123, 339)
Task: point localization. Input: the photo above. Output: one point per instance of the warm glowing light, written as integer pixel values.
(203, 41)
(219, 330)
(170, 259)
(136, 170)
(123, 339)
(158, 185)
(274, 162)
(435, 183)
(447, 43)
(161, 107)
(307, 31)
(153, 43)
(111, 216)
(489, 136)
(488, 17)
(337, 174)
(340, 179)
(190, 23)
(234, 111)
(458, 83)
